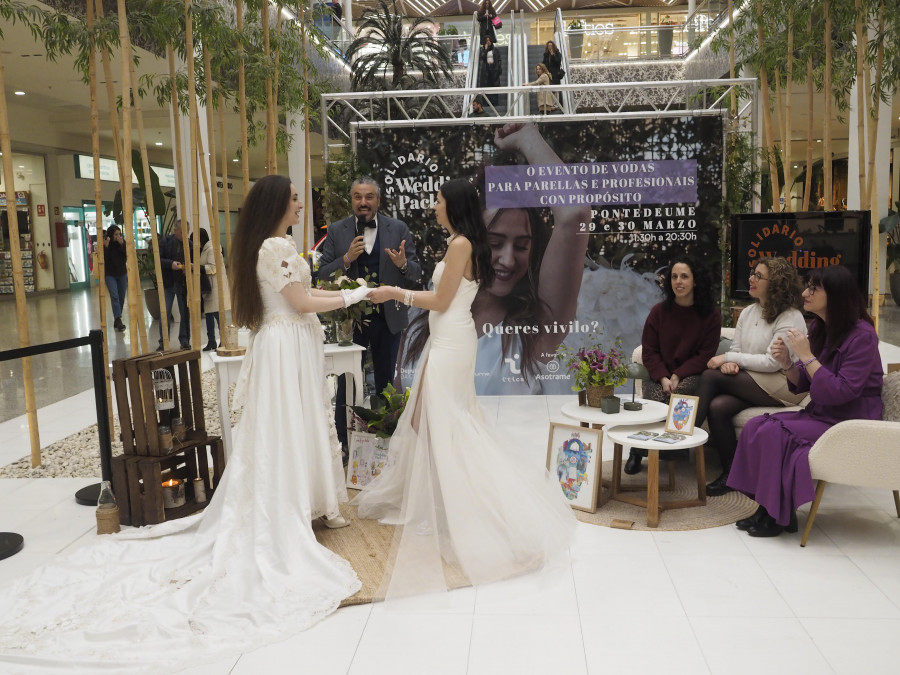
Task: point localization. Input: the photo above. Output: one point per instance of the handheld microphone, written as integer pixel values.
(360, 225)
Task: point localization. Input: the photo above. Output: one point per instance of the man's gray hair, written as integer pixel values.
(367, 180)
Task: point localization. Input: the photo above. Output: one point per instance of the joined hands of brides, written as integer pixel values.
(351, 297)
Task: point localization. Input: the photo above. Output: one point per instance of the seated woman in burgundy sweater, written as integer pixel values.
(680, 336)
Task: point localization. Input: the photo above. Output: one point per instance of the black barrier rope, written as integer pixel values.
(11, 543)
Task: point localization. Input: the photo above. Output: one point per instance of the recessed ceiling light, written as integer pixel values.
(158, 143)
(19, 93)
(235, 160)
(818, 140)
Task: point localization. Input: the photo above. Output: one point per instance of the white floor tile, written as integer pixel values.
(649, 644)
(831, 587)
(626, 586)
(549, 593)
(855, 646)
(882, 570)
(459, 601)
(394, 643)
(325, 649)
(526, 645)
(766, 645)
(724, 585)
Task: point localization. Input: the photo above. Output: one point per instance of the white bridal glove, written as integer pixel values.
(351, 297)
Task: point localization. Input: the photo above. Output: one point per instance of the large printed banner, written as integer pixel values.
(581, 217)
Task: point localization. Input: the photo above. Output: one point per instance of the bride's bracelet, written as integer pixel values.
(409, 298)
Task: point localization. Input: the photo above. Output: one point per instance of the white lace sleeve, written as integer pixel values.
(279, 263)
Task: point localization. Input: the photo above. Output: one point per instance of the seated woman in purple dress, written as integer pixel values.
(839, 365)
(748, 375)
(680, 336)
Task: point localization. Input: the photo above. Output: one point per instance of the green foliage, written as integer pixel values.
(386, 53)
(340, 173)
(576, 24)
(448, 30)
(382, 418)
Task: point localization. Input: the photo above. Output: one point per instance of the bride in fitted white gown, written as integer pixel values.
(461, 495)
(246, 571)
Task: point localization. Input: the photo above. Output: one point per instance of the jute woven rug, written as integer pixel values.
(724, 510)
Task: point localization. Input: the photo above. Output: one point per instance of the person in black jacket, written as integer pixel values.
(553, 61)
(486, 16)
(116, 273)
(491, 66)
(171, 260)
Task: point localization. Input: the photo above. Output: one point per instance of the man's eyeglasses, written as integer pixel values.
(758, 276)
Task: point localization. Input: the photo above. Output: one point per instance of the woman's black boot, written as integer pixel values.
(767, 527)
(633, 465)
(746, 523)
(718, 487)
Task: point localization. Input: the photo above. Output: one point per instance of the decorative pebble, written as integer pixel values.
(78, 455)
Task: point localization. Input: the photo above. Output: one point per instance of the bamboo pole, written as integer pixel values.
(212, 192)
(767, 109)
(779, 128)
(148, 183)
(308, 238)
(786, 161)
(810, 110)
(272, 113)
(136, 313)
(874, 117)
(194, 299)
(98, 203)
(242, 98)
(220, 263)
(270, 127)
(18, 275)
(732, 62)
(827, 188)
(117, 145)
(861, 103)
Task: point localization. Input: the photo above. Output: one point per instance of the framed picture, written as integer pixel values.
(574, 456)
(368, 455)
(682, 414)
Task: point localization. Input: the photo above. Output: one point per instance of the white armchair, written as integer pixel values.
(864, 453)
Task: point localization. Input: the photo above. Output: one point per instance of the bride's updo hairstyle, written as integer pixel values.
(260, 216)
(464, 214)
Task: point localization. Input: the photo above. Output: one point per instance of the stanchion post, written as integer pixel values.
(87, 496)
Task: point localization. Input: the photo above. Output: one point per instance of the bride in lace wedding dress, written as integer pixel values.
(248, 570)
(469, 509)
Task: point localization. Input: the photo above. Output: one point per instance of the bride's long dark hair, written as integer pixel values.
(464, 214)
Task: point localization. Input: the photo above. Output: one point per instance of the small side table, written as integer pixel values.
(619, 436)
(653, 411)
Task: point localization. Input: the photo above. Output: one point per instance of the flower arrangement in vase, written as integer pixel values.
(597, 370)
(346, 318)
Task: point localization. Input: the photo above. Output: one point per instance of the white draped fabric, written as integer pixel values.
(461, 495)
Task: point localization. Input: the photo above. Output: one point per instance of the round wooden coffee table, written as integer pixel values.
(619, 435)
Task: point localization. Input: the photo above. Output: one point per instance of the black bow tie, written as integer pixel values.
(370, 225)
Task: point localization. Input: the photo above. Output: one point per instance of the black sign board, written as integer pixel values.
(808, 239)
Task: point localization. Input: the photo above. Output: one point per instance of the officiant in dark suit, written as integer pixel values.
(371, 244)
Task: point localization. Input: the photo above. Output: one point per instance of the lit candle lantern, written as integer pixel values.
(173, 493)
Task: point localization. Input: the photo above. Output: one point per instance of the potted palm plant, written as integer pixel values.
(576, 39)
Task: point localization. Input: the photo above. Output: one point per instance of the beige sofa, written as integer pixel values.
(741, 418)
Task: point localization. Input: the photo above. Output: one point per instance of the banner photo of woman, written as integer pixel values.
(581, 217)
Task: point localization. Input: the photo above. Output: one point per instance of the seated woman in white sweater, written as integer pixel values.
(747, 375)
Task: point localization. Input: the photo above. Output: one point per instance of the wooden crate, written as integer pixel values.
(138, 418)
(137, 481)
